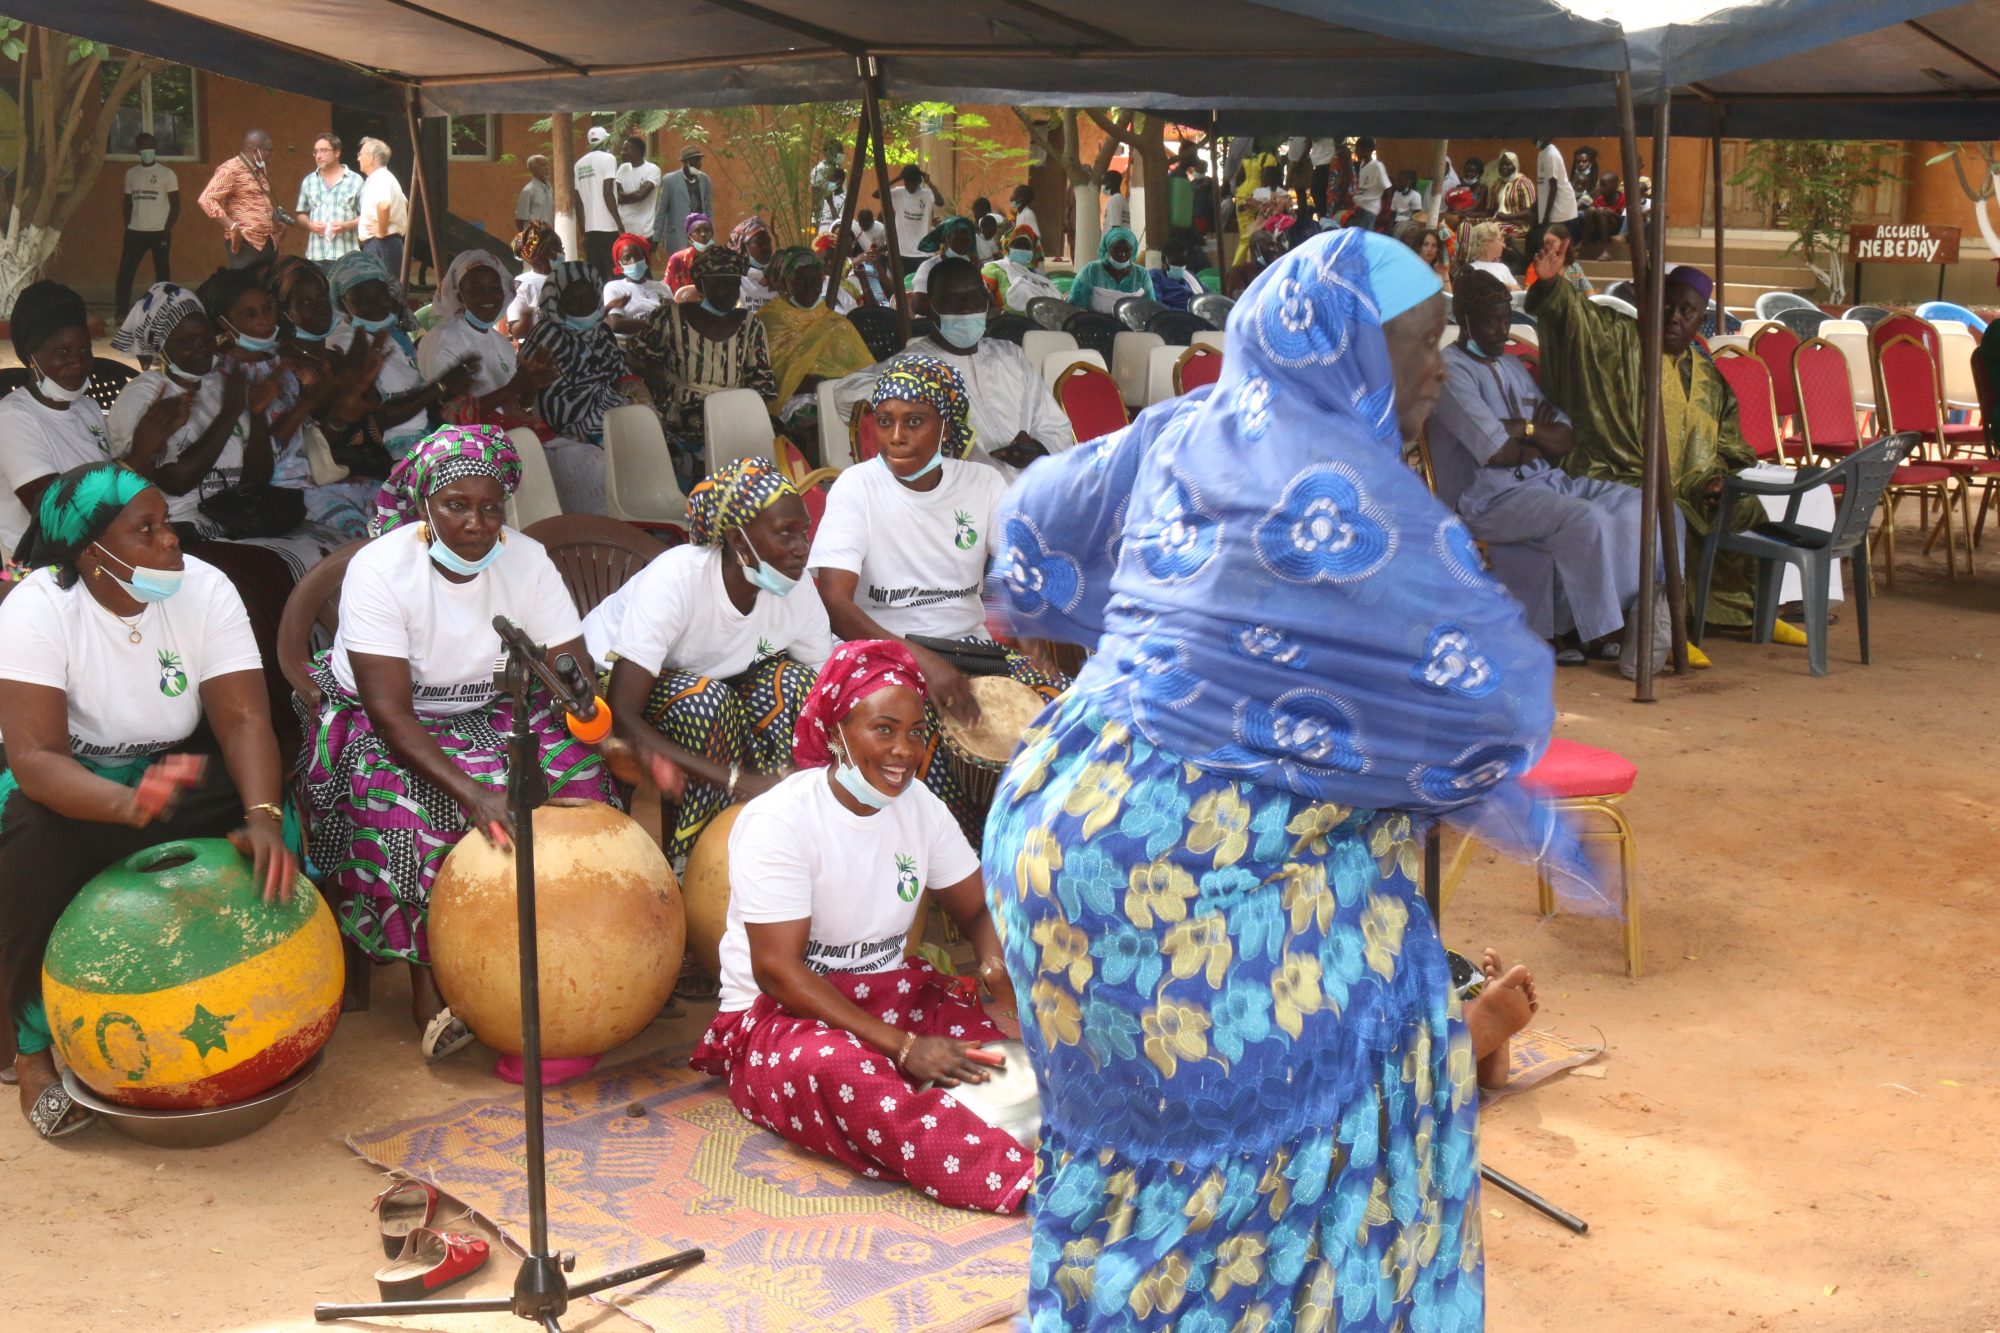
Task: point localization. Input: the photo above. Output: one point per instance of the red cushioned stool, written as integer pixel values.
(1582, 780)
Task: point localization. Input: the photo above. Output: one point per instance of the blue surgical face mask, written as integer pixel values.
(370, 325)
(848, 774)
(1022, 257)
(305, 335)
(1178, 272)
(755, 264)
(457, 563)
(584, 323)
(635, 270)
(937, 461)
(763, 575)
(146, 585)
(711, 307)
(476, 322)
(1117, 267)
(250, 344)
(147, 157)
(962, 330)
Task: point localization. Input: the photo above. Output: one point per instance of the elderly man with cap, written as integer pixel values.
(1591, 368)
(1566, 547)
(681, 193)
(596, 200)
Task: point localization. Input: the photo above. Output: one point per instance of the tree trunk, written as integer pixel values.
(562, 180)
(1149, 163)
(24, 253)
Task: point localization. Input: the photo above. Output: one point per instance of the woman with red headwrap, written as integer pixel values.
(827, 1034)
(631, 297)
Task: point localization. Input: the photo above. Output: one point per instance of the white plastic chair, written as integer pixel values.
(1833, 326)
(536, 499)
(1524, 333)
(734, 425)
(1215, 338)
(1957, 343)
(1053, 368)
(1160, 373)
(1613, 303)
(639, 484)
(1131, 353)
(1722, 340)
(835, 449)
(1752, 326)
(1041, 344)
(1448, 337)
(1854, 346)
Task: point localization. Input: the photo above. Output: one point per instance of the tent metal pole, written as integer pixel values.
(1656, 426)
(843, 241)
(418, 188)
(1215, 196)
(1715, 114)
(871, 103)
(1649, 373)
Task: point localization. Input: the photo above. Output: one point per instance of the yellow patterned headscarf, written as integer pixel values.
(912, 378)
(733, 496)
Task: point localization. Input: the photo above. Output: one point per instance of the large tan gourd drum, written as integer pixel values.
(609, 925)
(978, 755)
(708, 891)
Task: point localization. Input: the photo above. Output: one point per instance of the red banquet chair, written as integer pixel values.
(1582, 782)
(1909, 396)
(1090, 399)
(1749, 378)
(1773, 345)
(1530, 354)
(1198, 365)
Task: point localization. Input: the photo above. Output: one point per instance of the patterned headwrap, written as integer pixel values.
(740, 235)
(287, 274)
(153, 317)
(732, 497)
(856, 670)
(694, 220)
(934, 239)
(1025, 236)
(925, 379)
(534, 238)
(788, 261)
(625, 243)
(447, 454)
(447, 305)
(351, 270)
(718, 262)
(561, 278)
(74, 512)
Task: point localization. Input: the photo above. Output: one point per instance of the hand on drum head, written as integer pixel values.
(261, 842)
(164, 781)
(486, 810)
(667, 775)
(945, 1062)
(949, 689)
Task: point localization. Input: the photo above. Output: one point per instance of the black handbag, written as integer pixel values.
(256, 510)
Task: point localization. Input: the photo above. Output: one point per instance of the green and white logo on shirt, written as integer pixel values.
(967, 536)
(764, 648)
(173, 680)
(907, 887)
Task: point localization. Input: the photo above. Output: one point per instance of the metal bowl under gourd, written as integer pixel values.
(203, 1127)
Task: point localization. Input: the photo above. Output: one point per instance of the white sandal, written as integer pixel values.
(445, 1034)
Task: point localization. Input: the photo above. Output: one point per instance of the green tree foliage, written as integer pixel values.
(1815, 188)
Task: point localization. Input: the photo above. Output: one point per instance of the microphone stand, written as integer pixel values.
(1433, 887)
(541, 1291)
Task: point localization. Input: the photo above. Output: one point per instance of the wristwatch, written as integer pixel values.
(1528, 433)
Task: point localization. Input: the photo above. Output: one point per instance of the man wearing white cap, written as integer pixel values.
(596, 180)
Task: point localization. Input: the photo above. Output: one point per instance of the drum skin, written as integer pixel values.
(609, 927)
(170, 984)
(708, 891)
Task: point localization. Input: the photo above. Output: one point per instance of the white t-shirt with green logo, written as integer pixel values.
(676, 613)
(920, 555)
(797, 853)
(126, 700)
(38, 441)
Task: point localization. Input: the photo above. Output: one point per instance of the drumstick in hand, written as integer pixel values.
(986, 1057)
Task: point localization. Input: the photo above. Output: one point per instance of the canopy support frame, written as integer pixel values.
(1716, 115)
(843, 241)
(412, 112)
(871, 105)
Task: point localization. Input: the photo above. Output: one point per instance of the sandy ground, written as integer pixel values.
(1793, 1129)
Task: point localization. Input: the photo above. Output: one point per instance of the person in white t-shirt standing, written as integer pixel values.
(408, 744)
(385, 209)
(1117, 211)
(901, 550)
(913, 204)
(713, 646)
(596, 177)
(152, 207)
(826, 1034)
(1371, 183)
(121, 661)
(634, 185)
(1557, 190)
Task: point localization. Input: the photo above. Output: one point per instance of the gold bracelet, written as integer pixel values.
(904, 1054)
(266, 808)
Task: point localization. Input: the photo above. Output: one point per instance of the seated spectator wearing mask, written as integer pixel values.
(691, 350)
(51, 425)
(1017, 272)
(808, 343)
(954, 237)
(360, 287)
(591, 378)
(503, 386)
(1497, 446)
(1114, 275)
(752, 239)
(539, 249)
(1173, 286)
(631, 298)
(678, 276)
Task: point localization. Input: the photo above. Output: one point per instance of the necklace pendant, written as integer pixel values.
(136, 637)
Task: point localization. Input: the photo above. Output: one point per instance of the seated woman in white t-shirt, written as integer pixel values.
(539, 249)
(120, 660)
(51, 425)
(826, 1034)
(408, 748)
(712, 647)
(404, 396)
(634, 294)
(901, 550)
(471, 297)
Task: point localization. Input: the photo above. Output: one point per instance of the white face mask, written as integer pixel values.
(55, 392)
(848, 774)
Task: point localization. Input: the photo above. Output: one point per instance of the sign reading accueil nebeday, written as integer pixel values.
(1902, 243)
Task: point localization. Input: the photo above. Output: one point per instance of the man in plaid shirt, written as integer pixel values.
(330, 204)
